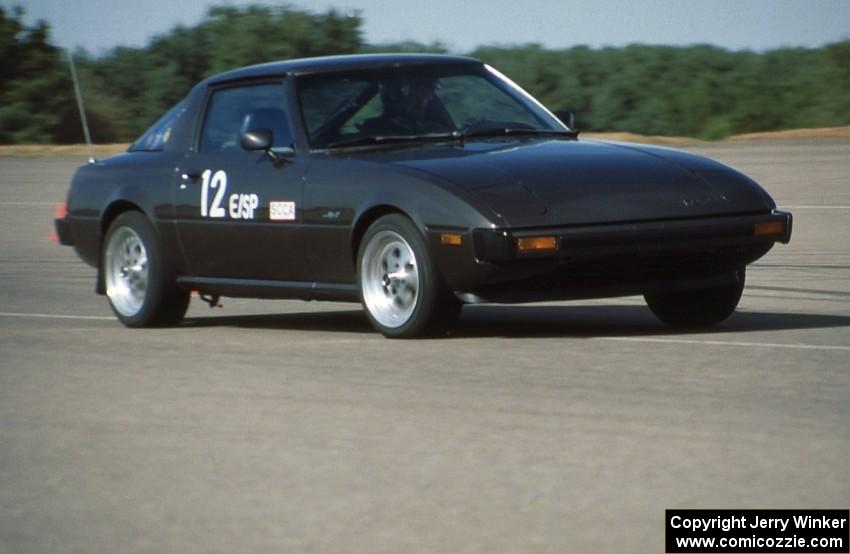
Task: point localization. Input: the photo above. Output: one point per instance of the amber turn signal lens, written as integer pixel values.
(526, 244)
(451, 240)
(769, 228)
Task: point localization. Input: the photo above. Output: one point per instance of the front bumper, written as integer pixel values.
(645, 238)
(595, 261)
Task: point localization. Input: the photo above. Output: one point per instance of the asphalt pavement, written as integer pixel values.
(287, 426)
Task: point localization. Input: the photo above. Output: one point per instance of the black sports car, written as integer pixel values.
(414, 184)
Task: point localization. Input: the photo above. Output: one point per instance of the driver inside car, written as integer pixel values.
(410, 107)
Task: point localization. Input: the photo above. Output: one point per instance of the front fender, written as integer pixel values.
(435, 212)
(343, 197)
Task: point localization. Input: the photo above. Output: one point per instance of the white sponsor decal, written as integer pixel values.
(282, 211)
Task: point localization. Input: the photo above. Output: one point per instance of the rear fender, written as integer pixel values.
(131, 198)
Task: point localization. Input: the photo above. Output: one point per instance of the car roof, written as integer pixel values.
(333, 63)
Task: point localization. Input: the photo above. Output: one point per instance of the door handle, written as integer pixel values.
(188, 177)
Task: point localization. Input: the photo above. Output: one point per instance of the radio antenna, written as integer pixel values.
(81, 106)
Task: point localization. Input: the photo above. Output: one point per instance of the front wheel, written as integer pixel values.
(697, 308)
(139, 281)
(400, 289)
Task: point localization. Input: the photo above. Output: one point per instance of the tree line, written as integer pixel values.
(700, 91)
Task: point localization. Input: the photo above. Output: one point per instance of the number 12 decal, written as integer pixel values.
(240, 206)
(217, 182)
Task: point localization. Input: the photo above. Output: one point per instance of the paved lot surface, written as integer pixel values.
(291, 426)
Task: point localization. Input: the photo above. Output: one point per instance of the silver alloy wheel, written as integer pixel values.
(389, 278)
(125, 267)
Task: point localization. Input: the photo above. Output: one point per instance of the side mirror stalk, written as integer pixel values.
(280, 155)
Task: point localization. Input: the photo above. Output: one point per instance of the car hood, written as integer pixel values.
(563, 182)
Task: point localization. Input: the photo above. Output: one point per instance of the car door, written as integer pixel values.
(236, 211)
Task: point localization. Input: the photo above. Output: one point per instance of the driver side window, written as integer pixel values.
(234, 110)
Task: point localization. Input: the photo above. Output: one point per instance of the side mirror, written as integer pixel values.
(567, 118)
(263, 139)
(258, 139)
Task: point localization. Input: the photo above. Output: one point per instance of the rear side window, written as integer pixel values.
(233, 111)
(155, 138)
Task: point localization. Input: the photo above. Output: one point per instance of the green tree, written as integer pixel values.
(149, 80)
(700, 90)
(33, 86)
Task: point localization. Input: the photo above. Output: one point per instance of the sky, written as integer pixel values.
(462, 25)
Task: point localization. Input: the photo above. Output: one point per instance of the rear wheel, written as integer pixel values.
(400, 289)
(697, 308)
(140, 283)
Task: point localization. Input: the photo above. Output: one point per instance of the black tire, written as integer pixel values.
(140, 283)
(400, 289)
(697, 308)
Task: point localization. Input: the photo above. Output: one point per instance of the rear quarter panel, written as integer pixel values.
(134, 180)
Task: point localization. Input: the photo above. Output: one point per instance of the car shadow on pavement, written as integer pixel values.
(617, 320)
(343, 321)
(533, 321)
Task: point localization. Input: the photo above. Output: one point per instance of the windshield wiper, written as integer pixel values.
(516, 131)
(452, 136)
(393, 139)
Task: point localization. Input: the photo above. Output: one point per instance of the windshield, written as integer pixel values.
(351, 108)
